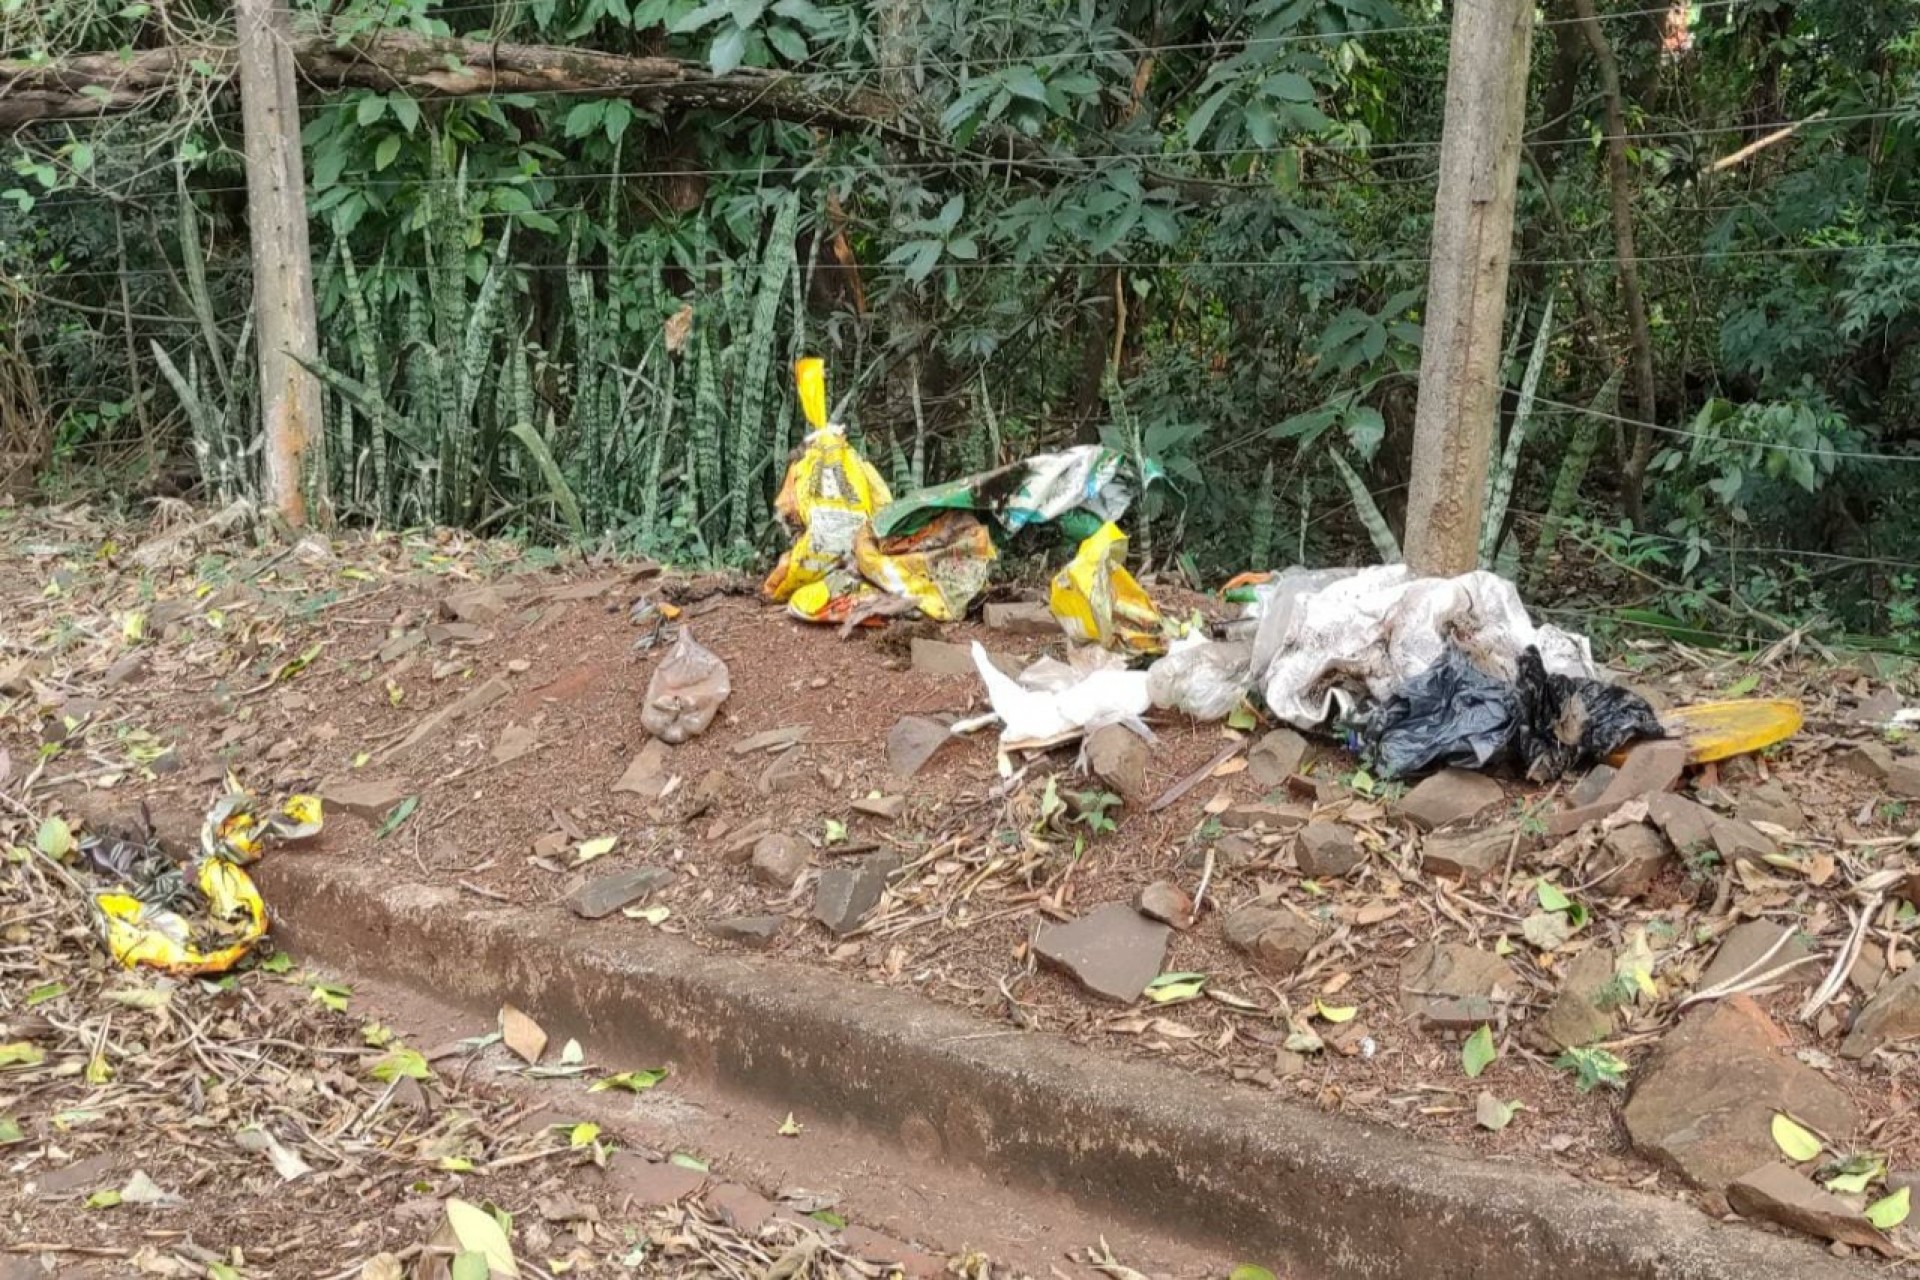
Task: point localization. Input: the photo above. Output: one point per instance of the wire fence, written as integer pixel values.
(1095, 166)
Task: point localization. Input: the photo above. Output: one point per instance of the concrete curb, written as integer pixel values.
(1259, 1176)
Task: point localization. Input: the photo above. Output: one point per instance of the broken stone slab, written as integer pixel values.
(845, 894)
(773, 739)
(888, 808)
(1167, 902)
(1704, 1105)
(1273, 817)
(788, 771)
(649, 773)
(1119, 757)
(1779, 1194)
(1276, 757)
(475, 604)
(1114, 952)
(1904, 779)
(607, 894)
(1021, 618)
(1687, 826)
(1770, 802)
(1277, 940)
(516, 740)
(1870, 760)
(1891, 1016)
(369, 799)
(1328, 850)
(1450, 797)
(1590, 788)
(1738, 841)
(1472, 856)
(1577, 1017)
(127, 667)
(1741, 949)
(1629, 860)
(401, 645)
(1650, 769)
(470, 703)
(1452, 986)
(912, 742)
(465, 633)
(1879, 709)
(939, 658)
(780, 859)
(757, 932)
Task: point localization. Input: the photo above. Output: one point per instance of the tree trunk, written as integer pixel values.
(1620, 184)
(1467, 289)
(286, 332)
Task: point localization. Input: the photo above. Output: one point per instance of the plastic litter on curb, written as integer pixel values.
(157, 920)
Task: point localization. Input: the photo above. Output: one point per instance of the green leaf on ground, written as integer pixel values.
(631, 1081)
(1479, 1052)
(1890, 1212)
(400, 813)
(1800, 1145)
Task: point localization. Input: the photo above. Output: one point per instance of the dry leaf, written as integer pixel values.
(1230, 767)
(1375, 912)
(522, 1034)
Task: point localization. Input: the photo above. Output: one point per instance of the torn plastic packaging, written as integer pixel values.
(1543, 724)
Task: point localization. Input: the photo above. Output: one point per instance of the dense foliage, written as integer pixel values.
(1194, 228)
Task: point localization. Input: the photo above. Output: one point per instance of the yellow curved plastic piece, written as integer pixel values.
(138, 934)
(1096, 601)
(1721, 730)
(810, 375)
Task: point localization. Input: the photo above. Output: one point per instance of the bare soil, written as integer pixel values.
(990, 853)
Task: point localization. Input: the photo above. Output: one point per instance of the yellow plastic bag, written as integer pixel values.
(1721, 730)
(940, 567)
(1096, 601)
(829, 494)
(138, 934)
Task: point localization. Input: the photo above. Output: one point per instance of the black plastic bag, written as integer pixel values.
(1455, 714)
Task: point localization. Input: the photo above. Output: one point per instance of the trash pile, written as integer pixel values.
(1416, 674)
(859, 555)
(152, 915)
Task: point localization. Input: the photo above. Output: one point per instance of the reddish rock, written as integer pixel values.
(1453, 986)
(845, 895)
(1449, 797)
(886, 1252)
(1904, 779)
(780, 860)
(1778, 1194)
(1704, 1105)
(912, 742)
(1273, 817)
(607, 894)
(1590, 788)
(1687, 826)
(1741, 949)
(1113, 952)
(370, 799)
(1167, 902)
(1891, 1016)
(1580, 1014)
(1470, 857)
(1277, 940)
(941, 658)
(1328, 850)
(1276, 757)
(1769, 802)
(1869, 760)
(1119, 757)
(1738, 841)
(648, 775)
(476, 605)
(746, 1211)
(1629, 860)
(1650, 768)
(757, 932)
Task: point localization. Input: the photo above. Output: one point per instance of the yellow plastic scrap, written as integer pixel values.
(1096, 601)
(139, 933)
(940, 567)
(1721, 730)
(829, 494)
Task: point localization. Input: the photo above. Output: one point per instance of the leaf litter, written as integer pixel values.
(291, 665)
